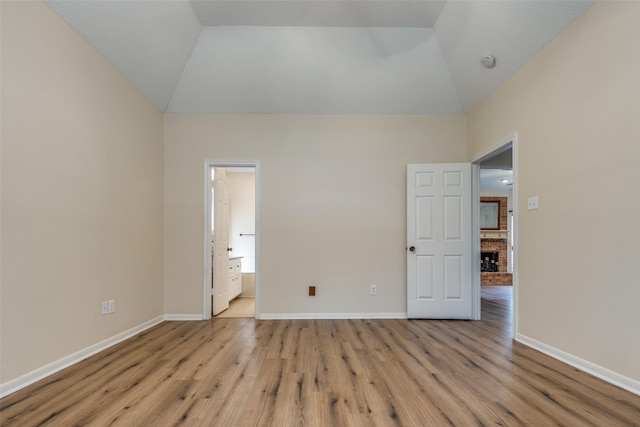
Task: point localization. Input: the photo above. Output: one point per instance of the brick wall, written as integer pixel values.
(495, 279)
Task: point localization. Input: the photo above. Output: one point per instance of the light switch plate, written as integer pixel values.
(532, 203)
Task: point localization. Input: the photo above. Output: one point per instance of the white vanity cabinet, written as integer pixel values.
(235, 277)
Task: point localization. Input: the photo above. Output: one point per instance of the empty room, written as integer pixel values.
(327, 164)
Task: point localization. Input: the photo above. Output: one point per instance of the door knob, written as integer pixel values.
(229, 249)
(412, 248)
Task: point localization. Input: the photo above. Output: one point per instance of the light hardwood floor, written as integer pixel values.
(245, 372)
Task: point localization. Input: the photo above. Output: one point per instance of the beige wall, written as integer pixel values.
(576, 108)
(495, 193)
(81, 194)
(332, 203)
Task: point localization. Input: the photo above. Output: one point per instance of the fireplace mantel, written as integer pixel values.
(494, 234)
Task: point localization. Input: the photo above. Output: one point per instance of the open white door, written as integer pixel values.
(220, 290)
(439, 241)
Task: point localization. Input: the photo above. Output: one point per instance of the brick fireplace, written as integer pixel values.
(489, 261)
(494, 247)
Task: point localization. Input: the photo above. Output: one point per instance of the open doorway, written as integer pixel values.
(231, 240)
(497, 224)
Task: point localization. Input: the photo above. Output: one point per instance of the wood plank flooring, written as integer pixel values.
(245, 372)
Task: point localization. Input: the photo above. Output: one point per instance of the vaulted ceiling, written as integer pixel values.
(317, 56)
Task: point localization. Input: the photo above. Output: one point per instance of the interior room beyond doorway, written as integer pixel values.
(496, 220)
(233, 249)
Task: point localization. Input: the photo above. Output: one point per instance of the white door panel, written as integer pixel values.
(439, 238)
(424, 276)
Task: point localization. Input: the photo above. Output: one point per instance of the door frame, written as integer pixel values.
(206, 230)
(509, 142)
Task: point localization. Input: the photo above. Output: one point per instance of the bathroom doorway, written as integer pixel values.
(232, 240)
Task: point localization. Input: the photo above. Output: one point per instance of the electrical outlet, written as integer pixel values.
(532, 203)
(104, 308)
(374, 290)
(112, 306)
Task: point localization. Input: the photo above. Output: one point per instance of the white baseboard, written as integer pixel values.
(179, 317)
(597, 371)
(40, 373)
(292, 316)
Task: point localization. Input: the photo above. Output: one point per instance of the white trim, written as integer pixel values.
(206, 279)
(515, 329)
(502, 146)
(591, 368)
(476, 306)
(51, 368)
(495, 149)
(206, 276)
(182, 317)
(293, 316)
(258, 237)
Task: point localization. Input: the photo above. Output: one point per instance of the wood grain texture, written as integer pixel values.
(244, 372)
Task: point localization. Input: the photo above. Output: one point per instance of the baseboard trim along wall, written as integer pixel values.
(43, 372)
(591, 368)
(293, 316)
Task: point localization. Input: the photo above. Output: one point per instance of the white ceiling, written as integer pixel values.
(491, 179)
(317, 56)
(310, 13)
(496, 169)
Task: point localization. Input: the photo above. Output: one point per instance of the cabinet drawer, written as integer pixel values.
(235, 266)
(235, 285)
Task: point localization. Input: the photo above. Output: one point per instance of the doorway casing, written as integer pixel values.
(511, 142)
(206, 229)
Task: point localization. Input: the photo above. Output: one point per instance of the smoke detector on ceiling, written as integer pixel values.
(488, 61)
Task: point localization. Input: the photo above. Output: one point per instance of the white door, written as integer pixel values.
(220, 262)
(439, 241)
